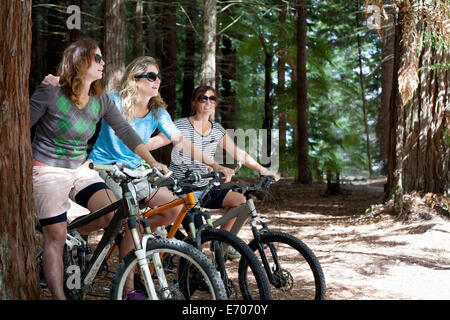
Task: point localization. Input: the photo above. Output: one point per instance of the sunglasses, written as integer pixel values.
(203, 99)
(98, 58)
(151, 76)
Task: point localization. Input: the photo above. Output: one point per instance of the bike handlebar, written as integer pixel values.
(120, 171)
(242, 188)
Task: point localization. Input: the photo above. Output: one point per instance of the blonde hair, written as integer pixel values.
(128, 87)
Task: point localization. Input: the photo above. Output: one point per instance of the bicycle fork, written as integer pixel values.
(143, 263)
(260, 245)
(141, 251)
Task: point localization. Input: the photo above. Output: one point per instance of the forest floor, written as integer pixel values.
(365, 251)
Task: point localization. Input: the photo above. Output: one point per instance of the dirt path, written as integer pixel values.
(376, 258)
(362, 258)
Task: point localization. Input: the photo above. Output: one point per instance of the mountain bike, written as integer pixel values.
(214, 242)
(293, 270)
(151, 274)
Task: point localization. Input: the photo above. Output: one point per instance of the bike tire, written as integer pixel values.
(179, 250)
(304, 280)
(259, 288)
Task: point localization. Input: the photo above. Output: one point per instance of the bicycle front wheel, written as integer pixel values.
(171, 251)
(295, 273)
(216, 244)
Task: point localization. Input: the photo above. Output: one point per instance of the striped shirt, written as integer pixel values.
(180, 163)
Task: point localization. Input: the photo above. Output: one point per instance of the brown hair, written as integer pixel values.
(201, 90)
(77, 58)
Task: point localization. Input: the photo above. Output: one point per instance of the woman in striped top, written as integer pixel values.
(207, 135)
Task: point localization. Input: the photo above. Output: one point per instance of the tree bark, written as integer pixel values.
(268, 112)
(281, 76)
(419, 155)
(208, 69)
(114, 43)
(169, 55)
(138, 35)
(189, 65)
(304, 171)
(363, 94)
(18, 270)
(228, 69)
(387, 74)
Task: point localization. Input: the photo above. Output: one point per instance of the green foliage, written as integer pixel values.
(446, 134)
(335, 119)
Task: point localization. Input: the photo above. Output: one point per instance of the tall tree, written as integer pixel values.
(166, 50)
(304, 171)
(189, 62)
(363, 90)
(114, 50)
(138, 36)
(208, 68)
(387, 74)
(419, 145)
(18, 271)
(228, 70)
(281, 77)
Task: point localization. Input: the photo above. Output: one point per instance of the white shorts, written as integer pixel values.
(54, 186)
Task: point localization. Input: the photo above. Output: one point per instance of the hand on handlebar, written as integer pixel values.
(273, 175)
(227, 172)
(161, 167)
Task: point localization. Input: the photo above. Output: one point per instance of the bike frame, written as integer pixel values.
(125, 208)
(242, 213)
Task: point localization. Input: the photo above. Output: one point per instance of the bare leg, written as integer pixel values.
(98, 200)
(231, 201)
(162, 196)
(54, 240)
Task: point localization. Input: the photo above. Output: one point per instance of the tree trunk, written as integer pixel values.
(281, 76)
(268, 114)
(228, 69)
(138, 36)
(114, 43)
(169, 55)
(363, 94)
(168, 66)
(150, 33)
(189, 65)
(18, 270)
(304, 170)
(56, 41)
(208, 70)
(419, 155)
(387, 74)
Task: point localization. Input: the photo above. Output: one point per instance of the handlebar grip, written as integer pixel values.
(167, 175)
(106, 167)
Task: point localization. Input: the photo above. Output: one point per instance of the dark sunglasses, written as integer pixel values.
(151, 76)
(204, 99)
(98, 58)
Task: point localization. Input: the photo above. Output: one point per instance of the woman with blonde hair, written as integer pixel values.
(139, 100)
(65, 119)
